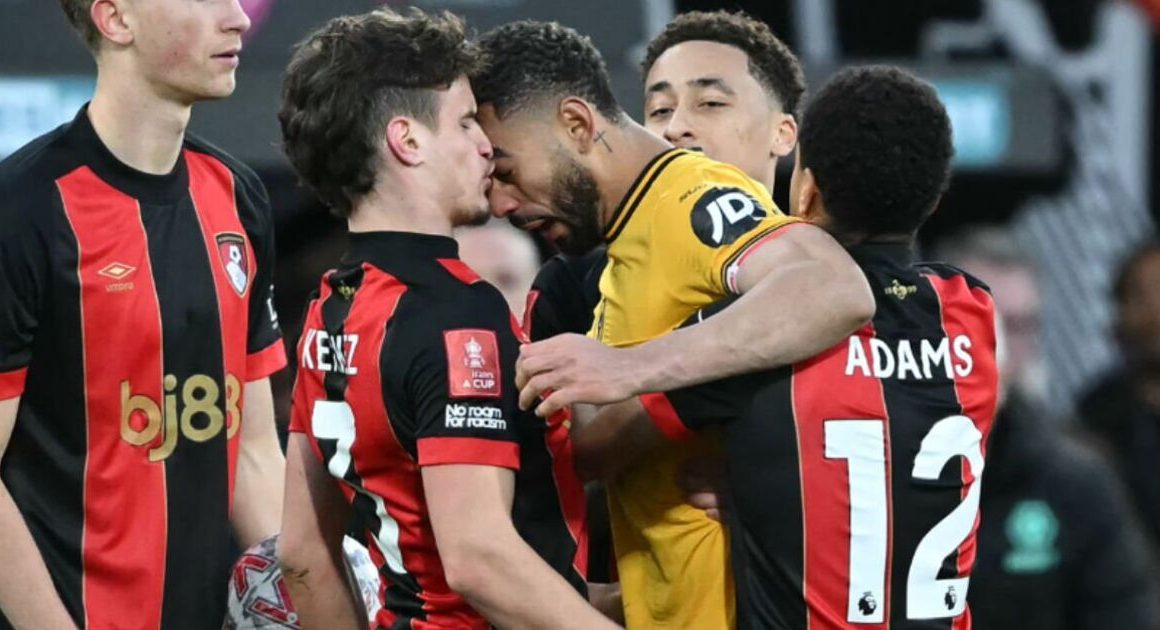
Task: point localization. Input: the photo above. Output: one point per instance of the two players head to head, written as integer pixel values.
(874, 148)
(718, 82)
(166, 49)
(379, 120)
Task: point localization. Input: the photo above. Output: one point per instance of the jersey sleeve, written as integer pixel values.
(681, 412)
(308, 383)
(461, 383)
(23, 271)
(265, 353)
(710, 225)
(564, 295)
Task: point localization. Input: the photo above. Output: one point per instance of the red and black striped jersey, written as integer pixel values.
(564, 295)
(407, 359)
(133, 309)
(855, 476)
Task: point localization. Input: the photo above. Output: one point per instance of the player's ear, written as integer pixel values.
(579, 123)
(809, 201)
(110, 19)
(404, 140)
(785, 132)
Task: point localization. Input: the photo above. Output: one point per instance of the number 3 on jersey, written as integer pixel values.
(334, 420)
(862, 443)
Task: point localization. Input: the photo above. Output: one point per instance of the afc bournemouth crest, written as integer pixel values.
(232, 249)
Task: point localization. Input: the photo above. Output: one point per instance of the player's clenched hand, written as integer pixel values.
(569, 369)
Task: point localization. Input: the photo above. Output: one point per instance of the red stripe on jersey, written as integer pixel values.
(733, 269)
(529, 306)
(460, 270)
(385, 467)
(970, 312)
(265, 362)
(573, 501)
(211, 184)
(301, 405)
(826, 481)
(125, 505)
(437, 451)
(569, 487)
(665, 417)
(12, 383)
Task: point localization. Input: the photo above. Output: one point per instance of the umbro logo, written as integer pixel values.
(117, 271)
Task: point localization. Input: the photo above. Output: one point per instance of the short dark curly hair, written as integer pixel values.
(771, 62)
(77, 12)
(349, 78)
(878, 141)
(527, 63)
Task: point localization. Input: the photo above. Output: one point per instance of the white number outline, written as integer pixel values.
(334, 420)
(862, 443)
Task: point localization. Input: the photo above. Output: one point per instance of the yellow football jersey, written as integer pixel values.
(674, 244)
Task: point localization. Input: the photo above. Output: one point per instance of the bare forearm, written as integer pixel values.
(795, 313)
(513, 587)
(310, 545)
(258, 494)
(321, 596)
(27, 595)
(261, 469)
(607, 439)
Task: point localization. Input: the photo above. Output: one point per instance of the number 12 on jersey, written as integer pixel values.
(862, 443)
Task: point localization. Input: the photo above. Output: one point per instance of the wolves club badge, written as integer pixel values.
(232, 249)
(472, 363)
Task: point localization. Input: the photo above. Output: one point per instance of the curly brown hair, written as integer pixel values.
(771, 62)
(349, 78)
(77, 12)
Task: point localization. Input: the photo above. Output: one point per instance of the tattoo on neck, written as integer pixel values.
(601, 140)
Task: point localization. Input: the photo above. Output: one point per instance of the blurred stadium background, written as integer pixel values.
(1054, 106)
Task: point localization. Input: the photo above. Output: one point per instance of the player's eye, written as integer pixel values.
(660, 112)
(713, 104)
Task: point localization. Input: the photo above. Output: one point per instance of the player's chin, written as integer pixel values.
(221, 86)
(475, 217)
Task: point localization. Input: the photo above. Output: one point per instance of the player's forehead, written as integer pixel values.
(699, 65)
(512, 137)
(457, 99)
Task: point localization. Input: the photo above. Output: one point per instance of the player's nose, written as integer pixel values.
(678, 130)
(503, 203)
(236, 20)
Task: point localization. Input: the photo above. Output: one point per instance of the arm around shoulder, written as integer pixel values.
(801, 294)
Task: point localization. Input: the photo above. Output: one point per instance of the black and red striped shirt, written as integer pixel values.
(855, 475)
(407, 359)
(133, 309)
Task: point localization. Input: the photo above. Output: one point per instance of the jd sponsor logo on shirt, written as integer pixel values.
(1032, 529)
(474, 417)
(723, 215)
